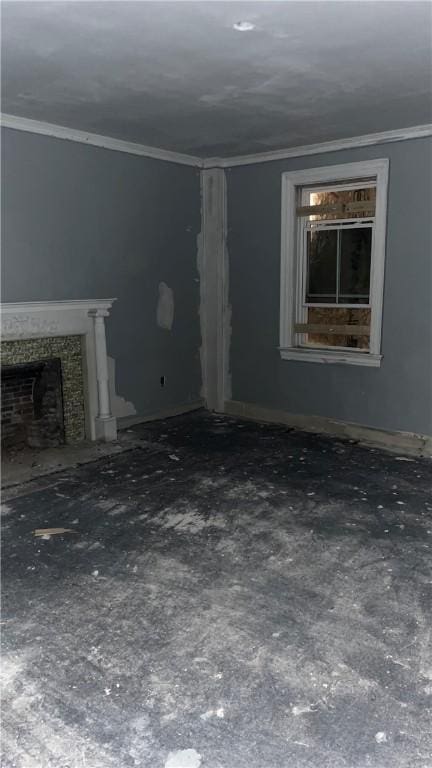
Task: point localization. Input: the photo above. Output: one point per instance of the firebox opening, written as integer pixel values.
(32, 405)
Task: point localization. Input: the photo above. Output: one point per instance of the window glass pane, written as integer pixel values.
(340, 198)
(335, 316)
(355, 261)
(321, 266)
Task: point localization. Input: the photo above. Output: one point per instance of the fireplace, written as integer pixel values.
(32, 405)
(55, 372)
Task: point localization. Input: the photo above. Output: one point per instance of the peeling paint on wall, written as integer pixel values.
(165, 307)
(119, 406)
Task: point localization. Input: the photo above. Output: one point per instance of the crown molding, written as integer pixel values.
(106, 142)
(370, 139)
(118, 145)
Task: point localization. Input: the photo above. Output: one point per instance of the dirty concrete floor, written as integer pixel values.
(235, 596)
(20, 466)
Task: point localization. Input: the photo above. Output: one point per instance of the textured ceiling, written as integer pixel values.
(177, 75)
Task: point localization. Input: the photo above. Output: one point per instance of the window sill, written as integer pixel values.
(330, 356)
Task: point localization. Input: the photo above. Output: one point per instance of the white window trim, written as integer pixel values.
(289, 278)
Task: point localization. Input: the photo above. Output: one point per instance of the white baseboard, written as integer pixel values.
(176, 410)
(397, 442)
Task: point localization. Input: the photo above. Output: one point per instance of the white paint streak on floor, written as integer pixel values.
(219, 712)
(184, 758)
(302, 710)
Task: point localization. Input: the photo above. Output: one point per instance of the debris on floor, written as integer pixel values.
(52, 531)
(216, 614)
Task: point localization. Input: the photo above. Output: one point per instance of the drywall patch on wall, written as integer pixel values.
(213, 267)
(119, 406)
(165, 307)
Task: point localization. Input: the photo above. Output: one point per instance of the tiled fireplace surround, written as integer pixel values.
(74, 333)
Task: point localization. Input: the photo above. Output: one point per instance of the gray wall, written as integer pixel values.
(396, 396)
(82, 222)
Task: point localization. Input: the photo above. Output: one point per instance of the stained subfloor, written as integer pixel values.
(233, 595)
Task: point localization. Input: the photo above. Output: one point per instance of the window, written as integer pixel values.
(332, 264)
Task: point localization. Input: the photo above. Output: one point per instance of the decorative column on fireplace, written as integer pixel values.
(30, 329)
(106, 426)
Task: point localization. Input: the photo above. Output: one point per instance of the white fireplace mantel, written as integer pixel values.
(86, 318)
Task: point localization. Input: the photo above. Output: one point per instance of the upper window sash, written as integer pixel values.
(304, 194)
(338, 186)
